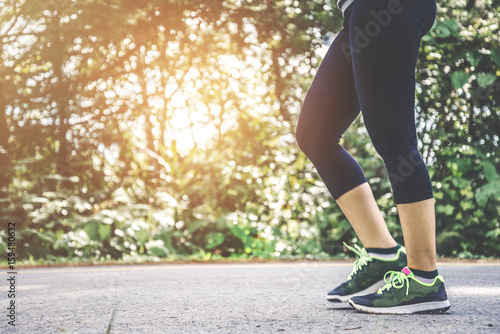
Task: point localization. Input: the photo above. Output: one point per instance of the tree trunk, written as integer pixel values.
(4, 148)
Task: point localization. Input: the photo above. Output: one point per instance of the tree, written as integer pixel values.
(166, 127)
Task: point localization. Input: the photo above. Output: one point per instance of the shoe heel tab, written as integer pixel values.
(439, 277)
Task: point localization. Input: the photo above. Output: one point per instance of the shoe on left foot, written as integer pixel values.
(404, 294)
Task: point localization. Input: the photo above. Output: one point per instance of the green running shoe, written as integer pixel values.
(367, 275)
(404, 294)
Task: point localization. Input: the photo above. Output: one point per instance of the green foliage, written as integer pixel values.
(462, 141)
(471, 208)
(105, 105)
(459, 79)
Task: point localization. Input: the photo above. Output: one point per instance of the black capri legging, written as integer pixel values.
(370, 66)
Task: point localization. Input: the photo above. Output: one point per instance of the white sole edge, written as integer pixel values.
(371, 289)
(440, 306)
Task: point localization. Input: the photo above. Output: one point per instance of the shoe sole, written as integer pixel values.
(371, 289)
(426, 307)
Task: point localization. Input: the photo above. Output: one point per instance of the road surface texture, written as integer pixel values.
(232, 298)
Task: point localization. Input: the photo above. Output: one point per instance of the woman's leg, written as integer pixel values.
(384, 56)
(361, 210)
(331, 105)
(384, 49)
(419, 230)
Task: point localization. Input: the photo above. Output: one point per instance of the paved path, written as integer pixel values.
(232, 298)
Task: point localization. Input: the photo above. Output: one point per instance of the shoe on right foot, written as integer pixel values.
(367, 275)
(403, 293)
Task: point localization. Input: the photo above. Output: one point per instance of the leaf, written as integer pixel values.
(459, 79)
(490, 172)
(474, 57)
(458, 55)
(104, 231)
(447, 235)
(466, 205)
(495, 56)
(300, 163)
(195, 225)
(141, 236)
(486, 79)
(157, 251)
(47, 236)
(460, 183)
(493, 234)
(241, 233)
(294, 182)
(90, 228)
(442, 31)
(453, 166)
(97, 231)
(428, 39)
(453, 25)
(214, 239)
(446, 209)
(487, 191)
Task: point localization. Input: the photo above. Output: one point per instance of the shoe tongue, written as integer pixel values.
(406, 271)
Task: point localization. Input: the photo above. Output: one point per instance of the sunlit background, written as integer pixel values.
(162, 130)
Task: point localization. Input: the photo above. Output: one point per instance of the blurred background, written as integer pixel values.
(164, 130)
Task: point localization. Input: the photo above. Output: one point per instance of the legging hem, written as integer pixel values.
(414, 197)
(339, 192)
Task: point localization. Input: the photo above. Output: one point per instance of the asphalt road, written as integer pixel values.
(231, 298)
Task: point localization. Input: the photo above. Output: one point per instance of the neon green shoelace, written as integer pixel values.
(397, 280)
(363, 259)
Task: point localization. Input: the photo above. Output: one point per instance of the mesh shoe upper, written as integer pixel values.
(368, 270)
(402, 288)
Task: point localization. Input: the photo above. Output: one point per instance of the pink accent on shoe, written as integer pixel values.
(406, 271)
